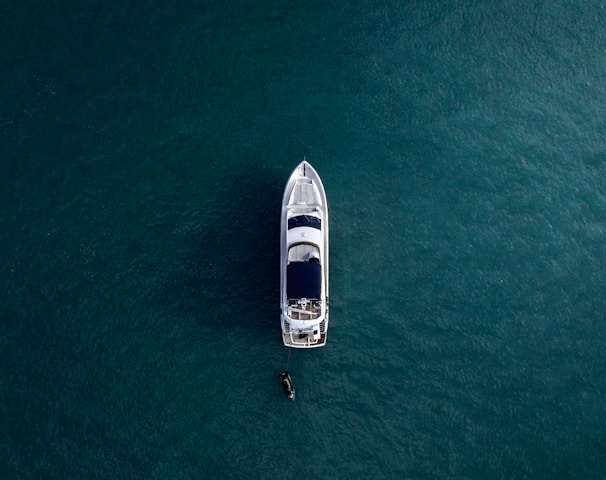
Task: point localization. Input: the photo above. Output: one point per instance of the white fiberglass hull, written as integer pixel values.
(304, 260)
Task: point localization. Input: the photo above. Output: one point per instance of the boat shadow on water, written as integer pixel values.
(227, 273)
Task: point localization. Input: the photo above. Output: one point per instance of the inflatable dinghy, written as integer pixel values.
(289, 389)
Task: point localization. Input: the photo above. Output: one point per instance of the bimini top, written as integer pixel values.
(303, 280)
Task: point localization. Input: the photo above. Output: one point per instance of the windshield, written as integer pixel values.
(304, 221)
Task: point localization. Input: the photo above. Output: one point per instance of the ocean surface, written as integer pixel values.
(144, 151)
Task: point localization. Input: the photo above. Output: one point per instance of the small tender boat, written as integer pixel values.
(289, 388)
(304, 260)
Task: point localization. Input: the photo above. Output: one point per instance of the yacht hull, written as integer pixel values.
(304, 260)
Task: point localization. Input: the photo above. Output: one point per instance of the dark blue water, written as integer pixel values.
(144, 151)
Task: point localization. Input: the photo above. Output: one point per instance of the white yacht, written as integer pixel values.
(304, 260)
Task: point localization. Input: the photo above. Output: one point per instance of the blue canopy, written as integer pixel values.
(303, 280)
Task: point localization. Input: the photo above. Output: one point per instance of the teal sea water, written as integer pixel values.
(145, 147)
